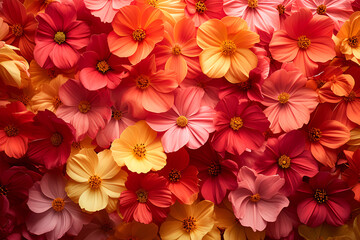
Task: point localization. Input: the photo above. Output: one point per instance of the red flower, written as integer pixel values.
(352, 174)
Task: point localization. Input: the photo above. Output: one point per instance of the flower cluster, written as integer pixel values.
(179, 119)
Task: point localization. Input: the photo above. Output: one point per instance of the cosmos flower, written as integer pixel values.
(105, 10)
(200, 11)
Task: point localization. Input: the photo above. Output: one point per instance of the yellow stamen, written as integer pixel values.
(58, 204)
(255, 198)
(17, 30)
(303, 42)
(176, 50)
(139, 150)
(200, 7)
(314, 134)
(181, 121)
(60, 37)
(84, 106)
(142, 82)
(228, 47)
(252, 3)
(320, 195)
(189, 224)
(139, 35)
(284, 161)
(321, 9)
(94, 182)
(102, 66)
(283, 97)
(236, 123)
(174, 175)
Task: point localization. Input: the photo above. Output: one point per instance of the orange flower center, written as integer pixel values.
(17, 30)
(117, 115)
(283, 97)
(321, 9)
(11, 130)
(252, 3)
(139, 150)
(214, 169)
(174, 175)
(142, 196)
(94, 182)
(255, 198)
(139, 35)
(314, 134)
(189, 224)
(3, 190)
(176, 50)
(142, 82)
(228, 47)
(303, 42)
(200, 7)
(236, 123)
(320, 195)
(56, 139)
(284, 161)
(59, 37)
(245, 85)
(76, 145)
(153, 3)
(351, 97)
(181, 121)
(84, 106)
(353, 42)
(56, 102)
(102, 66)
(58, 204)
(281, 9)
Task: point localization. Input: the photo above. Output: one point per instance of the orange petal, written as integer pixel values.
(213, 63)
(242, 62)
(211, 34)
(121, 46)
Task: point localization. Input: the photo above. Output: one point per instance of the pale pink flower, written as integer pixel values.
(105, 9)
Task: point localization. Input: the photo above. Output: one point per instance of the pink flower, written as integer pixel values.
(285, 9)
(60, 36)
(202, 10)
(239, 126)
(53, 213)
(289, 103)
(105, 9)
(186, 123)
(284, 224)
(87, 111)
(257, 200)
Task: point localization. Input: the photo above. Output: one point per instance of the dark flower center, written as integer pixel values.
(304, 42)
(214, 169)
(3, 190)
(139, 35)
(320, 195)
(58, 204)
(11, 130)
(189, 224)
(200, 7)
(351, 97)
(321, 9)
(17, 30)
(281, 9)
(174, 175)
(102, 66)
(142, 196)
(314, 134)
(117, 115)
(56, 139)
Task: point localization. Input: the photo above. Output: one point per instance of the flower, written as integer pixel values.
(135, 230)
(239, 126)
(352, 173)
(226, 52)
(59, 36)
(87, 111)
(52, 212)
(146, 199)
(4, 29)
(259, 195)
(186, 123)
(139, 149)
(324, 199)
(94, 178)
(105, 10)
(285, 9)
(200, 11)
(289, 103)
(305, 40)
(188, 221)
(136, 31)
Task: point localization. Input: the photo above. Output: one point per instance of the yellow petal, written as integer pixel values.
(211, 34)
(93, 200)
(242, 62)
(213, 63)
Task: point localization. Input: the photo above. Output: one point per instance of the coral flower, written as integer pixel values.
(94, 178)
(139, 149)
(259, 195)
(52, 211)
(202, 10)
(259, 14)
(285, 9)
(186, 123)
(87, 111)
(98, 67)
(352, 174)
(147, 198)
(188, 221)
(60, 36)
(105, 9)
(239, 126)
(136, 31)
(289, 103)
(22, 27)
(305, 40)
(226, 52)
(324, 199)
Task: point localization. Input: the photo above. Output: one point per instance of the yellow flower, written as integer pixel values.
(226, 47)
(135, 230)
(139, 149)
(94, 178)
(188, 221)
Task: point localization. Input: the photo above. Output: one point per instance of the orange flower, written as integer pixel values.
(226, 47)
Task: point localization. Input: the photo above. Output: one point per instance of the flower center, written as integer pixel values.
(139, 35)
(255, 198)
(353, 42)
(214, 169)
(56, 139)
(60, 37)
(189, 224)
(117, 115)
(236, 123)
(139, 150)
(84, 106)
(284, 161)
(3, 190)
(200, 7)
(320, 195)
(351, 97)
(76, 145)
(281, 9)
(181, 121)
(153, 3)
(314, 134)
(176, 50)
(245, 86)
(17, 30)
(228, 47)
(102, 66)
(174, 175)
(56, 102)
(142, 82)
(142, 196)
(252, 3)
(303, 42)
(52, 73)
(94, 182)
(11, 130)
(58, 204)
(321, 9)
(283, 97)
